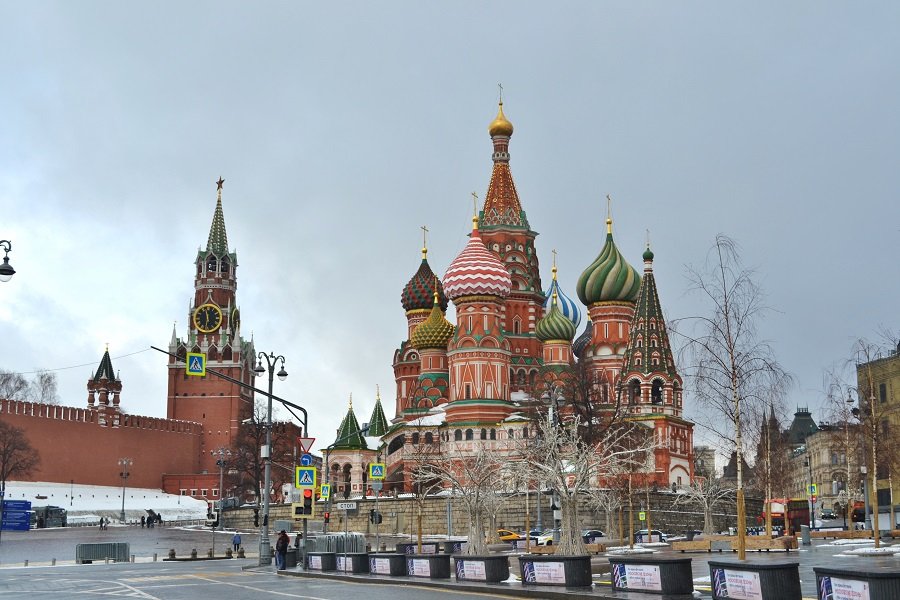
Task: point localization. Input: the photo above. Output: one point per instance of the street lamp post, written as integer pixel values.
(265, 547)
(124, 464)
(221, 462)
(6, 270)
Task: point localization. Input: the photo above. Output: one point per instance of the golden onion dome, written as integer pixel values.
(500, 125)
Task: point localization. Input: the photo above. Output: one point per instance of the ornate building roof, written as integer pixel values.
(567, 306)
(583, 340)
(433, 332)
(649, 350)
(501, 205)
(105, 370)
(609, 278)
(417, 293)
(348, 434)
(218, 238)
(476, 271)
(555, 325)
(378, 425)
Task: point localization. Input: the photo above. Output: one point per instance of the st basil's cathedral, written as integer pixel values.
(470, 384)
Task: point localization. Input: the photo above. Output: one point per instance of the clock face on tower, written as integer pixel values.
(207, 318)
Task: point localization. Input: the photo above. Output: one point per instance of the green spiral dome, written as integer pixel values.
(433, 332)
(555, 326)
(609, 278)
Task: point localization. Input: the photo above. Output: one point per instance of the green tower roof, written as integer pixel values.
(378, 425)
(348, 434)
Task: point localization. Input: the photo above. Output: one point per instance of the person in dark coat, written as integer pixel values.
(281, 548)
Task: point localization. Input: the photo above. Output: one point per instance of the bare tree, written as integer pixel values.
(18, 458)
(571, 466)
(247, 461)
(708, 493)
(420, 463)
(13, 386)
(472, 476)
(44, 388)
(729, 367)
(875, 415)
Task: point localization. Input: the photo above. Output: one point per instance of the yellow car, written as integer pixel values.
(506, 535)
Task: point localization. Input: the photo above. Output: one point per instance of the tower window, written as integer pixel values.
(468, 391)
(469, 435)
(457, 435)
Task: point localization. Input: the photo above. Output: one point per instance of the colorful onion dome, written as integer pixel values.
(476, 271)
(433, 332)
(648, 254)
(609, 278)
(568, 306)
(554, 325)
(417, 294)
(583, 340)
(500, 125)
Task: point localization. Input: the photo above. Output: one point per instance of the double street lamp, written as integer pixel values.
(6, 270)
(265, 547)
(221, 462)
(124, 464)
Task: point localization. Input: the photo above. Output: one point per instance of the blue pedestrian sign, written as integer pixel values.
(376, 471)
(325, 492)
(196, 364)
(305, 477)
(306, 460)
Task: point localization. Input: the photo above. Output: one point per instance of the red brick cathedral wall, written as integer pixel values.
(73, 446)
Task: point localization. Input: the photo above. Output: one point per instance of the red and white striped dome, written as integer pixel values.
(476, 272)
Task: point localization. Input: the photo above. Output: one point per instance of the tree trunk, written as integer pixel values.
(708, 521)
(570, 542)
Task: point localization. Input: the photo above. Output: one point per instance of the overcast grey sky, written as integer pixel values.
(341, 128)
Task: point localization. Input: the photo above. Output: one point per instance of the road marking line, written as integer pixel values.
(256, 589)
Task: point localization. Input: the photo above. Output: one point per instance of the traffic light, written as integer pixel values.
(256, 517)
(326, 516)
(305, 509)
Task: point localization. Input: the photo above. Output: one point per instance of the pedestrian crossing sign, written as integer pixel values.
(196, 364)
(305, 477)
(376, 471)
(325, 492)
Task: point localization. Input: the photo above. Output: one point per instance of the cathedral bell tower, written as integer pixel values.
(214, 329)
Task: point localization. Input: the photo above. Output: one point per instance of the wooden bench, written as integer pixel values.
(852, 534)
(759, 543)
(595, 548)
(543, 550)
(692, 546)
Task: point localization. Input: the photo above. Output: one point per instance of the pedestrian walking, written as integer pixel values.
(236, 541)
(143, 521)
(281, 547)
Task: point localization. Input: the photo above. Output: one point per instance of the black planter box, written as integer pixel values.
(455, 546)
(427, 548)
(651, 573)
(322, 561)
(434, 566)
(778, 580)
(552, 569)
(492, 568)
(387, 564)
(881, 583)
(352, 562)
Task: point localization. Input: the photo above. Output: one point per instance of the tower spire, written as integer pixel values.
(424, 242)
(218, 238)
(608, 215)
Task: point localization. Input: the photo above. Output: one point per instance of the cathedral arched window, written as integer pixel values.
(517, 326)
(493, 434)
(484, 434)
(520, 377)
(415, 438)
(634, 391)
(429, 438)
(656, 393)
(511, 434)
(224, 265)
(470, 435)
(457, 435)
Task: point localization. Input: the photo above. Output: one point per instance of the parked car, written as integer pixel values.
(506, 535)
(641, 535)
(591, 535)
(546, 538)
(828, 514)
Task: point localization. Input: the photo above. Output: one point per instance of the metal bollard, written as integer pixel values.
(132, 558)
(154, 557)
(193, 553)
(26, 562)
(106, 560)
(53, 563)
(209, 553)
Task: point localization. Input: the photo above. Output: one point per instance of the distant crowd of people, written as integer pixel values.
(148, 522)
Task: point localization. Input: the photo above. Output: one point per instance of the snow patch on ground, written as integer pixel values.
(852, 543)
(883, 551)
(87, 503)
(627, 550)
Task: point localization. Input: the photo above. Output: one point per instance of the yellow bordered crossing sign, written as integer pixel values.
(305, 477)
(195, 365)
(377, 471)
(325, 491)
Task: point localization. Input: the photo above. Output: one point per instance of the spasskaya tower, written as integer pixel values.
(214, 328)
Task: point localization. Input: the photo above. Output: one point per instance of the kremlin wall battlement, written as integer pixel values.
(77, 444)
